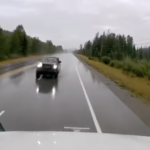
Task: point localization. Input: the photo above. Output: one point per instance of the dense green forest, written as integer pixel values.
(17, 44)
(118, 51)
(114, 46)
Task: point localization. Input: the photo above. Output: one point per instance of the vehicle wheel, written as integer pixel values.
(37, 75)
(56, 75)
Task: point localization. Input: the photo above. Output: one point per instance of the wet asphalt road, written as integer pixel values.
(76, 100)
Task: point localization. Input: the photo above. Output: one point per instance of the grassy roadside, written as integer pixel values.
(18, 59)
(138, 86)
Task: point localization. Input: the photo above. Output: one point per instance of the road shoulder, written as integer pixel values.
(141, 109)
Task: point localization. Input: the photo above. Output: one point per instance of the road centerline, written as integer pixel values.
(89, 103)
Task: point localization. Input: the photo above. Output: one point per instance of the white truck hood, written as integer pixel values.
(71, 141)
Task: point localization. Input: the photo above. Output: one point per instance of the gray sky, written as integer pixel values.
(71, 22)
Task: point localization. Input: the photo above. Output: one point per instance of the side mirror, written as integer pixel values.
(59, 61)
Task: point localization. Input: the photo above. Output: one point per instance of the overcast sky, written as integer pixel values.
(71, 22)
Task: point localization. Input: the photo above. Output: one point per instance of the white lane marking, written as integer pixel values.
(89, 104)
(1, 113)
(77, 128)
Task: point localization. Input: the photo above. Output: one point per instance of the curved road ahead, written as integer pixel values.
(77, 100)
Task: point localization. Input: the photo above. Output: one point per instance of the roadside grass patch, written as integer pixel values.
(106, 60)
(139, 69)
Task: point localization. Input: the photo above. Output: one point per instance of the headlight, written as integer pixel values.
(39, 65)
(55, 66)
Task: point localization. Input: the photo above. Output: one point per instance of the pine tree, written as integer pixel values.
(24, 45)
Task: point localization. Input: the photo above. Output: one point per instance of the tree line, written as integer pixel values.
(118, 51)
(18, 43)
(114, 46)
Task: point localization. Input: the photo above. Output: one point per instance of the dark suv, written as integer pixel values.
(48, 66)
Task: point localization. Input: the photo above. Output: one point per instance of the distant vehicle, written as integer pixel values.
(48, 66)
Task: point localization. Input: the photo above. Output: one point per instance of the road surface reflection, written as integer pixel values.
(47, 85)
